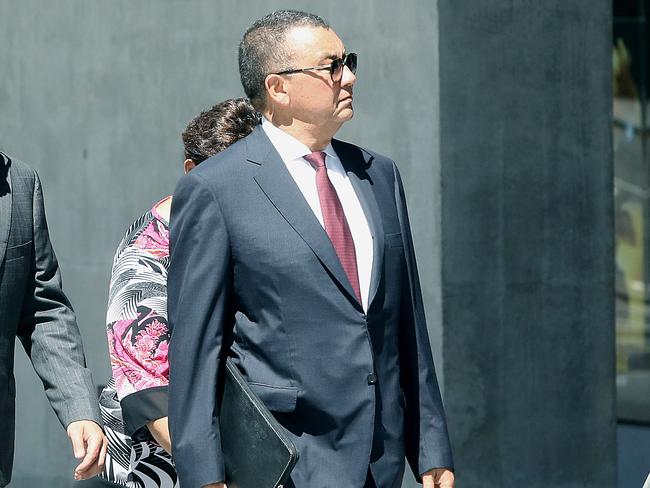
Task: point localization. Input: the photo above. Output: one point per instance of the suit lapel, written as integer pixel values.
(355, 162)
(278, 185)
(5, 204)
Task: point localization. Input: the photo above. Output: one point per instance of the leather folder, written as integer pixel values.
(257, 451)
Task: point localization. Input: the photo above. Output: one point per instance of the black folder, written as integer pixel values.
(257, 450)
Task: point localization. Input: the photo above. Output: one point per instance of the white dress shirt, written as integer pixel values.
(292, 152)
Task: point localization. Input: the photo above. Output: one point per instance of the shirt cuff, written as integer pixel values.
(142, 407)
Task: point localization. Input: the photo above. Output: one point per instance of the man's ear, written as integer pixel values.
(188, 165)
(276, 90)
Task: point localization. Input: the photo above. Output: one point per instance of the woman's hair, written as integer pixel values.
(217, 128)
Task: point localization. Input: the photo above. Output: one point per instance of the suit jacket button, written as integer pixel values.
(372, 379)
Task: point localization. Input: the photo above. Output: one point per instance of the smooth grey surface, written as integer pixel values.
(525, 90)
(633, 455)
(95, 94)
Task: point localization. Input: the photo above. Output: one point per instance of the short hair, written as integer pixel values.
(217, 128)
(262, 49)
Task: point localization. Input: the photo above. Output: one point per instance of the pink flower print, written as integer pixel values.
(139, 362)
(156, 329)
(161, 360)
(144, 344)
(155, 240)
(122, 359)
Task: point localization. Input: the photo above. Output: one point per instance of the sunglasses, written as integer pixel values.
(335, 67)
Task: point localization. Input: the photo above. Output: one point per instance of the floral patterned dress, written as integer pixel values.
(138, 341)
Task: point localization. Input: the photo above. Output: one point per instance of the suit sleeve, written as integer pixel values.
(49, 333)
(199, 287)
(427, 440)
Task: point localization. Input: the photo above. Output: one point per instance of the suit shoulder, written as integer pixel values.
(216, 174)
(223, 162)
(21, 173)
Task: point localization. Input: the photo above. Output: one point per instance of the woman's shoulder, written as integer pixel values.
(149, 233)
(162, 209)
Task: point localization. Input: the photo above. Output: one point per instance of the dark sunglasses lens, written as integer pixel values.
(337, 66)
(351, 62)
(336, 69)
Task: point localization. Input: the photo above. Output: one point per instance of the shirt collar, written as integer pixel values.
(288, 146)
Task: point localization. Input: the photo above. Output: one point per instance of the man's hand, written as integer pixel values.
(438, 478)
(89, 445)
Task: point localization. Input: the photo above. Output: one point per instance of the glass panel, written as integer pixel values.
(632, 210)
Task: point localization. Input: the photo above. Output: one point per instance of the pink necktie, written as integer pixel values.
(336, 225)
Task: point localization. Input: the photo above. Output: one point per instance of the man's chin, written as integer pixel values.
(346, 114)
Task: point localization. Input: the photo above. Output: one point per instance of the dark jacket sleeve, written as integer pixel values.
(49, 333)
(427, 441)
(198, 290)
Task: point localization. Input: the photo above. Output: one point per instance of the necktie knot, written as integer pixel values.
(316, 159)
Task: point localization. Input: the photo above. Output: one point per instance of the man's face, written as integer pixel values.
(314, 98)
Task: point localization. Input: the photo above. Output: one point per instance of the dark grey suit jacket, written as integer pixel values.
(254, 275)
(34, 309)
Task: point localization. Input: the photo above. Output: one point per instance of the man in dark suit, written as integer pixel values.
(292, 252)
(34, 309)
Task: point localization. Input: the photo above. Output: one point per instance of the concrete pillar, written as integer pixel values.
(527, 241)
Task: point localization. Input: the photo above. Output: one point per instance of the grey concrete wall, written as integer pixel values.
(525, 90)
(94, 95)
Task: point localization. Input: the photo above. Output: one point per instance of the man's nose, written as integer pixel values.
(348, 78)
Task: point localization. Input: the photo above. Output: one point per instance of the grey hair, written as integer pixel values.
(262, 49)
